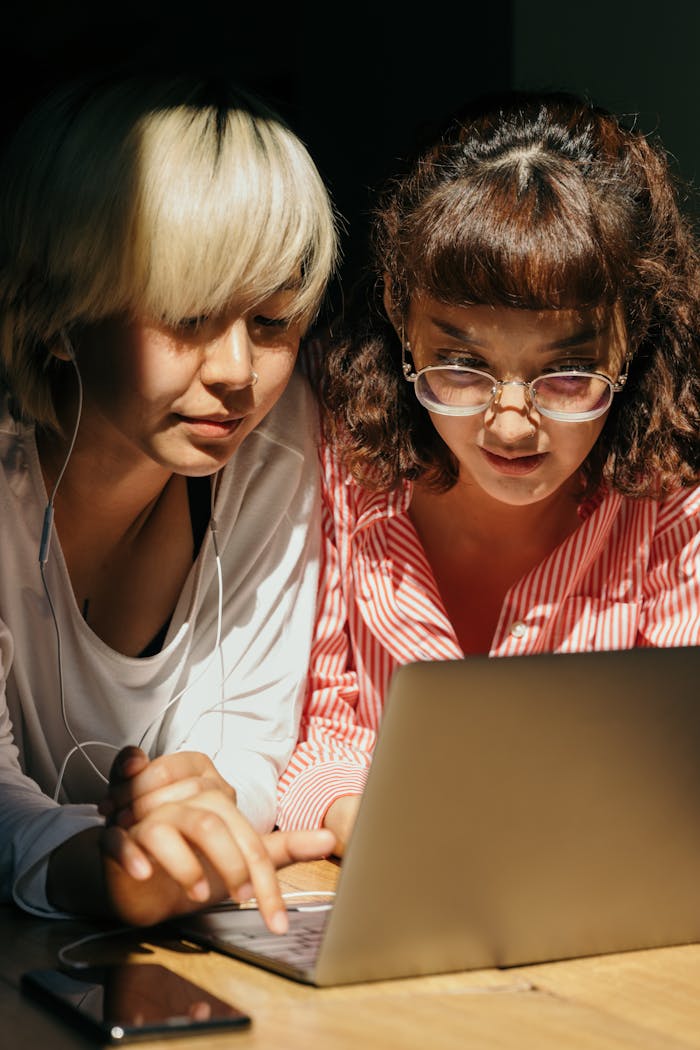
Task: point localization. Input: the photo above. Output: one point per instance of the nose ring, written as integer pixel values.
(253, 377)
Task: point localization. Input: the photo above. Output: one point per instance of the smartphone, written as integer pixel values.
(128, 1001)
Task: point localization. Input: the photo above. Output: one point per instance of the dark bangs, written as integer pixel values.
(525, 231)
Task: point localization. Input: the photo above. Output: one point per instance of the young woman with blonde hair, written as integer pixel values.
(164, 244)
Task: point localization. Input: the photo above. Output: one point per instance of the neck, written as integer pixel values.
(102, 486)
(470, 517)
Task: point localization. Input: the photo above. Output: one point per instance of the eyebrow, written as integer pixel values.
(292, 285)
(584, 335)
(579, 338)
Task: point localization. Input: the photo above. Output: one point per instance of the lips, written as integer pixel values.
(212, 426)
(513, 466)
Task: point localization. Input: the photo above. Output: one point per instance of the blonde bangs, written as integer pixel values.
(163, 200)
(225, 216)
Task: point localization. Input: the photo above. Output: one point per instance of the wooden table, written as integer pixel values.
(646, 1000)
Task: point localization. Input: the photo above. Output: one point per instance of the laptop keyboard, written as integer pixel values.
(245, 930)
(298, 947)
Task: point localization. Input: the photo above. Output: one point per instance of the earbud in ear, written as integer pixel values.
(64, 352)
(67, 346)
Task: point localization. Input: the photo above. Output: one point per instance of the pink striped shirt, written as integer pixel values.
(628, 576)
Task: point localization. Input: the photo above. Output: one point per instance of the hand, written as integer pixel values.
(340, 819)
(147, 899)
(139, 785)
(176, 840)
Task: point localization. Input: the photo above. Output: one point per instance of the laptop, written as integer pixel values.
(517, 810)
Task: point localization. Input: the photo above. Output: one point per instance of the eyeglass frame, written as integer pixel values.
(497, 385)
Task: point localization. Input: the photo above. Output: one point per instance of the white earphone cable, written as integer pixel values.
(217, 642)
(47, 528)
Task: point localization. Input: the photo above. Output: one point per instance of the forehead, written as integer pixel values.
(490, 326)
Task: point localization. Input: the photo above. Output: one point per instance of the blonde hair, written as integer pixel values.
(158, 198)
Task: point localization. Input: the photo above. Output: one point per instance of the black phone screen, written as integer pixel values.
(128, 1001)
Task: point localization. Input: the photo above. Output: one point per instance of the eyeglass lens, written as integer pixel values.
(569, 393)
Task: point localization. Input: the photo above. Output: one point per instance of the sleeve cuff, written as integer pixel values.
(29, 887)
(307, 799)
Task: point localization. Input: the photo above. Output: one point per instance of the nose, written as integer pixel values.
(228, 358)
(511, 414)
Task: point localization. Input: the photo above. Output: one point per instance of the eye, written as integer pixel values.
(583, 365)
(271, 322)
(446, 357)
(191, 324)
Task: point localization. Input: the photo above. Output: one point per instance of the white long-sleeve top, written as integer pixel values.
(242, 699)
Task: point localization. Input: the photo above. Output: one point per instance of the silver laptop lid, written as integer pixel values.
(524, 809)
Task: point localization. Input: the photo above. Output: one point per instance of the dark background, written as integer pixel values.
(364, 84)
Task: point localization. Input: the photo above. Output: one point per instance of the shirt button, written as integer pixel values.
(518, 629)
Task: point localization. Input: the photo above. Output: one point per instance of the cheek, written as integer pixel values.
(274, 369)
(137, 365)
(154, 378)
(578, 440)
(157, 367)
(456, 432)
(108, 376)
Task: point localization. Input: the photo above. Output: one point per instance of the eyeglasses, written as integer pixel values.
(569, 395)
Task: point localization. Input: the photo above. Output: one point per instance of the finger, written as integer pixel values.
(262, 878)
(282, 848)
(240, 857)
(166, 845)
(130, 761)
(200, 1011)
(141, 807)
(247, 863)
(288, 847)
(151, 777)
(116, 844)
(245, 892)
(207, 827)
(166, 770)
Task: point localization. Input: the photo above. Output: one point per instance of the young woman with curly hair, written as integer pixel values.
(512, 408)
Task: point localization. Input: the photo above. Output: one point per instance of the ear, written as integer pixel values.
(61, 347)
(620, 338)
(390, 307)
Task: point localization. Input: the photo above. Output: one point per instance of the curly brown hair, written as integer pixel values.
(534, 201)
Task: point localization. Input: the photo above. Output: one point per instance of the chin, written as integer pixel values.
(199, 464)
(514, 492)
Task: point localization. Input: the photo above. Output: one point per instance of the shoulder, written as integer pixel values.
(354, 505)
(336, 477)
(680, 510)
(293, 422)
(6, 651)
(16, 437)
(274, 474)
(668, 528)
(10, 426)
(681, 506)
